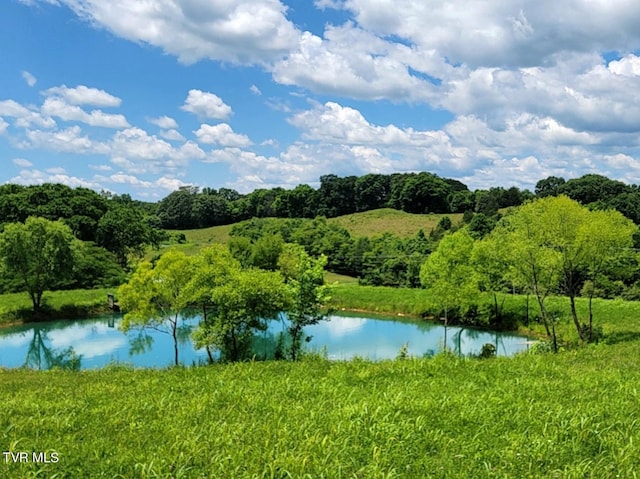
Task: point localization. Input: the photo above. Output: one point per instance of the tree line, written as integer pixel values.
(549, 246)
(70, 237)
(189, 207)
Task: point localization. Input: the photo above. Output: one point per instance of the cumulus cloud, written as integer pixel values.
(351, 62)
(29, 78)
(237, 31)
(59, 108)
(501, 34)
(221, 134)
(3, 125)
(37, 177)
(21, 162)
(206, 105)
(83, 95)
(68, 140)
(164, 122)
(24, 117)
(173, 135)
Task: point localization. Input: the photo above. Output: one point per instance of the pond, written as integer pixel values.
(97, 342)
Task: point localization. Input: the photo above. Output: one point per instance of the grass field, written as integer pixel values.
(386, 220)
(571, 415)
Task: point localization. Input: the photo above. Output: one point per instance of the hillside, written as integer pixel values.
(369, 223)
(387, 220)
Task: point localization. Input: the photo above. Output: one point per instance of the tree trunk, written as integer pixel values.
(174, 333)
(574, 315)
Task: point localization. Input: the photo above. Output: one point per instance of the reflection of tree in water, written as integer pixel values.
(40, 355)
(143, 342)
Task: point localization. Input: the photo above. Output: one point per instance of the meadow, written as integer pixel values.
(573, 414)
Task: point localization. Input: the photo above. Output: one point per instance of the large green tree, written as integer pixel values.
(449, 275)
(240, 307)
(123, 231)
(555, 244)
(38, 254)
(155, 295)
(304, 276)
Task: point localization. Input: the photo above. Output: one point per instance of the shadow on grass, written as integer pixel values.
(621, 337)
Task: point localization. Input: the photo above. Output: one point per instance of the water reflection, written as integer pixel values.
(98, 342)
(40, 354)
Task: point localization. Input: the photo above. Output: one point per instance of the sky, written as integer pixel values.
(145, 96)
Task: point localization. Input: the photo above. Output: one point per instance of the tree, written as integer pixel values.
(530, 264)
(605, 236)
(241, 306)
(123, 231)
(155, 296)
(556, 242)
(551, 186)
(449, 275)
(176, 209)
(212, 267)
(304, 276)
(39, 254)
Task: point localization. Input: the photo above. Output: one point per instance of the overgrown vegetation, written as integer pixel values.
(569, 415)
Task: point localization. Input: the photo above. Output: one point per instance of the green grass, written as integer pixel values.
(574, 414)
(386, 220)
(370, 223)
(16, 307)
(617, 318)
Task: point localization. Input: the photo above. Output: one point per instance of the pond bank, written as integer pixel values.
(16, 308)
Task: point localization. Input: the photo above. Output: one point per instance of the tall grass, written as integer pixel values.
(616, 317)
(569, 415)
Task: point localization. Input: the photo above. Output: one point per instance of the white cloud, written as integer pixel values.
(101, 167)
(502, 34)
(68, 140)
(57, 107)
(37, 177)
(173, 135)
(221, 134)
(206, 105)
(21, 162)
(164, 122)
(231, 30)
(170, 184)
(24, 117)
(351, 62)
(3, 125)
(135, 151)
(334, 123)
(255, 90)
(29, 78)
(83, 95)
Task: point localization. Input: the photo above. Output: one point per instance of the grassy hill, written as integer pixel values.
(386, 220)
(369, 223)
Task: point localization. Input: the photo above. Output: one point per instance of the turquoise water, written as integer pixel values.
(96, 342)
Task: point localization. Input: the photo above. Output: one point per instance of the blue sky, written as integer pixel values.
(144, 97)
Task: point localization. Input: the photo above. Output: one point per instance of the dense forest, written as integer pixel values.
(111, 230)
